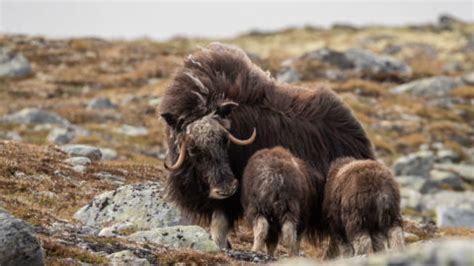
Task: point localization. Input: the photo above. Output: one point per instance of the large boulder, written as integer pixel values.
(34, 116)
(429, 87)
(13, 64)
(415, 164)
(454, 217)
(190, 236)
(140, 204)
(18, 242)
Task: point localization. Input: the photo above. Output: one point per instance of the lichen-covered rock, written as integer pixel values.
(34, 116)
(430, 87)
(101, 103)
(454, 217)
(126, 257)
(140, 204)
(417, 164)
(81, 150)
(13, 64)
(18, 243)
(190, 236)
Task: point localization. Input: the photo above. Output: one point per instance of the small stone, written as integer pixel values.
(447, 156)
(430, 87)
(13, 64)
(79, 169)
(61, 136)
(34, 116)
(444, 179)
(288, 75)
(81, 150)
(101, 103)
(126, 257)
(154, 101)
(410, 238)
(410, 199)
(469, 78)
(418, 164)
(465, 171)
(117, 229)
(14, 136)
(132, 131)
(84, 161)
(108, 154)
(454, 217)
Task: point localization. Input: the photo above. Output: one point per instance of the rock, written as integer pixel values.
(288, 75)
(154, 101)
(448, 199)
(445, 179)
(417, 164)
(13, 64)
(465, 171)
(141, 204)
(410, 199)
(416, 183)
(132, 131)
(34, 116)
(429, 87)
(18, 242)
(410, 238)
(468, 78)
(84, 161)
(108, 154)
(81, 150)
(11, 135)
(377, 66)
(79, 169)
(447, 156)
(118, 229)
(101, 103)
(449, 251)
(190, 236)
(126, 257)
(61, 136)
(454, 217)
(116, 179)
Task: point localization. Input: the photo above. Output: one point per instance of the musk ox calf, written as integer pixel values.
(362, 208)
(278, 195)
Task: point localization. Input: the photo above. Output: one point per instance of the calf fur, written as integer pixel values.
(277, 195)
(362, 208)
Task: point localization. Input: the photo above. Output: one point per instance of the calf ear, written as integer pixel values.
(169, 118)
(226, 108)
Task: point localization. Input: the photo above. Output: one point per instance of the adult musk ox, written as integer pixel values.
(278, 192)
(362, 207)
(235, 97)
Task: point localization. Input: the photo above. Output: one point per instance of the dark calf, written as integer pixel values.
(276, 194)
(362, 207)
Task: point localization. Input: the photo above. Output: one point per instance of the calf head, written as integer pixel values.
(203, 145)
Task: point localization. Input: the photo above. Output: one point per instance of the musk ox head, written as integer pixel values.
(203, 146)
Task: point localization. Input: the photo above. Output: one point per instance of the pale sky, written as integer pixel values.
(162, 20)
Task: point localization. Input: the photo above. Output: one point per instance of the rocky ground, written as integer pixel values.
(81, 156)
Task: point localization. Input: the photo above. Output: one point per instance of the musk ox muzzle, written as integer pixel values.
(224, 191)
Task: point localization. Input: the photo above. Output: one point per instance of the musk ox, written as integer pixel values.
(221, 85)
(278, 194)
(362, 208)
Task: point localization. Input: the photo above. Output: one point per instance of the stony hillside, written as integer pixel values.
(82, 147)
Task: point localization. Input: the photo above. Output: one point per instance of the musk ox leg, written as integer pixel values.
(260, 233)
(290, 238)
(379, 241)
(362, 243)
(272, 242)
(332, 250)
(219, 229)
(396, 239)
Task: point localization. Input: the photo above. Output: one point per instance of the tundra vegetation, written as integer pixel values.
(410, 87)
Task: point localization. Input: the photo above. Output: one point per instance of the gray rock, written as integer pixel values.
(449, 251)
(429, 87)
(116, 179)
(34, 116)
(454, 217)
(13, 64)
(18, 242)
(126, 257)
(101, 103)
(108, 154)
(81, 150)
(372, 65)
(117, 229)
(141, 204)
(465, 171)
(410, 199)
(132, 131)
(445, 179)
(448, 199)
(11, 135)
(61, 136)
(288, 75)
(79, 169)
(468, 78)
(412, 182)
(154, 101)
(447, 156)
(191, 236)
(418, 164)
(84, 161)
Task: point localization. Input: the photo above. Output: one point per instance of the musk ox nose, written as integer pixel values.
(224, 191)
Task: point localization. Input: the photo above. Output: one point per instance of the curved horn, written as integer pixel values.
(181, 157)
(243, 141)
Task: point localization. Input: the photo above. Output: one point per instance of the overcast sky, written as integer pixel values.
(161, 20)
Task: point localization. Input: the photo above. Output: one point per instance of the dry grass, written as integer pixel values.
(466, 92)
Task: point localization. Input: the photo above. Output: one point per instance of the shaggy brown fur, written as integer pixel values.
(362, 208)
(278, 194)
(314, 125)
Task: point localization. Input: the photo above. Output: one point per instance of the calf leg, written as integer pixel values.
(361, 243)
(272, 242)
(379, 241)
(219, 228)
(260, 233)
(396, 239)
(290, 238)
